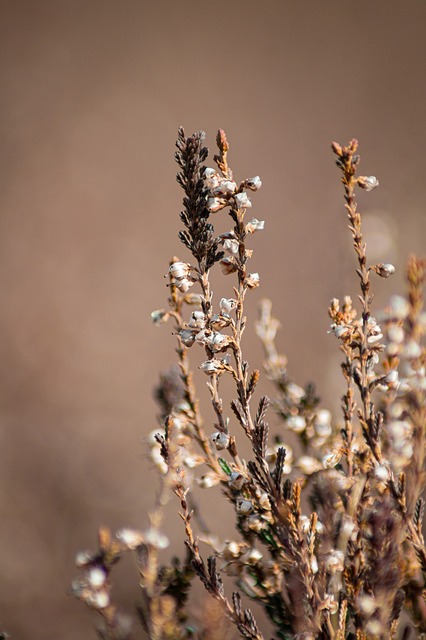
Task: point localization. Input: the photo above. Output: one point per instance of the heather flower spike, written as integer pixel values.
(328, 534)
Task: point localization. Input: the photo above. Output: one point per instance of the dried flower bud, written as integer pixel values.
(211, 367)
(220, 440)
(242, 200)
(252, 280)
(395, 333)
(384, 270)
(254, 183)
(367, 604)
(228, 265)
(368, 182)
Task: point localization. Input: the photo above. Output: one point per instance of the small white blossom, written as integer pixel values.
(296, 423)
(252, 280)
(399, 307)
(159, 316)
(242, 200)
(131, 538)
(236, 480)
(244, 507)
(211, 177)
(231, 245)
(215, 204)
(179, 269)
(395, 333)
(254, 183)
(331, 460)
(334, 561)
(211, 367)
(208, 480)
(198, 320)
(96, 577)
(384, 270)
(98, 599)
(84, 558)
(220, 440)
(308, 465)
(227, 305)
(368, 182)
(228, 265)
(225, 188)
(255, 225)
(156, 539)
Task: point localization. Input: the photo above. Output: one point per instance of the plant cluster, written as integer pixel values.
(329, 533)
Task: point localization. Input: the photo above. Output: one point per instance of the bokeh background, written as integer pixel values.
(92, 93)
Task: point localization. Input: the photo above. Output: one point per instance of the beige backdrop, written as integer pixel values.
(92, 94)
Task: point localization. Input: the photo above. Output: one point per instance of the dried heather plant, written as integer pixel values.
(329, 537)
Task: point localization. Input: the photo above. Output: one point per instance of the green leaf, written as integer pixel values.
(225, 466)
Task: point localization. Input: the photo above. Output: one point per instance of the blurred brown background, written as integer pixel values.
(92, 95)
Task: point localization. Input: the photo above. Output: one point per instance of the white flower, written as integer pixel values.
(211, 177)
(159, 316)
(179, 269)
(254, 183)
(296, 423)
(231, 245)
(220, 440)
(83, 558)
(187, 337)
(399, 307)
(252, 280)
(225, 188)
(384, 270)
(368, 182)
(242, 200)
(98, 599)
(215, 204)
(198, 320)
(228, 265)
(131, 538)
(244, 507)
(255, 225)
(208, 480)
(156, 539)
(96, 577)
(395, 333)
(236, 480)
(334, 561)
(227, 305)
(331, 460)
(212, 366)
(308, 465)
(340, 330)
